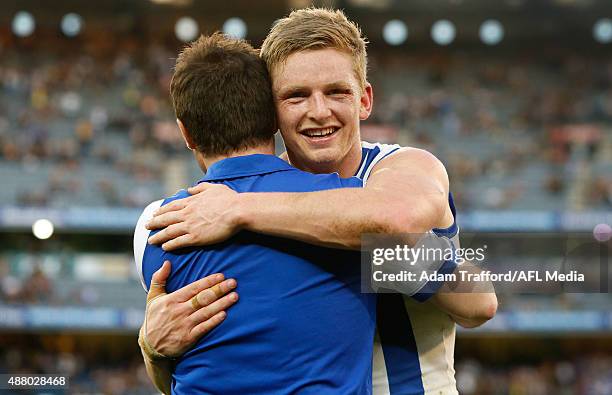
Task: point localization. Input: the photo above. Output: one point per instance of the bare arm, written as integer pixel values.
(158, 369)
(406, 193)
(469, 310)
(470, 304)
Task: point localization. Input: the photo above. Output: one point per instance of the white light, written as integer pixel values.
(235, 27)
(443, 32)
(42, 229)
(602, 30)
(186, 29)
(23, 24)
(491, 32)
(71, 24)
(602, 232)
(395, 32)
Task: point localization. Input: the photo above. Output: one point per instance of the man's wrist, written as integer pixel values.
(242, 216)
(148, 350)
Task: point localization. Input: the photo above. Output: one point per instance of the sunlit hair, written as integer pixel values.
(316, 28)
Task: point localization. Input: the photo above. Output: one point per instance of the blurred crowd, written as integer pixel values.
(37, 288)
(514, 131)
(54, 280)
(589, 374)
(94, 126)
(123, 373)
(87, 372)
(86, 120)
(527, 130)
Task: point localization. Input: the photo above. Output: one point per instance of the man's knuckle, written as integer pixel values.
(206, 314)
(167, 305)
(188, 324)
(204, 329)
(212, 296)
(193, 288)
(204, 298)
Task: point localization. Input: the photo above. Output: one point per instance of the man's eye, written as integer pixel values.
(340, 92)
(296, 94)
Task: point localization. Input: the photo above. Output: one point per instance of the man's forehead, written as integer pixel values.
(314, 68)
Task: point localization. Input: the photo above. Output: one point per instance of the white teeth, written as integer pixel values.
(320, 133)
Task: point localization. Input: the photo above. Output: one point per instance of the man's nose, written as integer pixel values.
(319, 108)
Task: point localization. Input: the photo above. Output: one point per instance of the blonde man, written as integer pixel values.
(317, 61)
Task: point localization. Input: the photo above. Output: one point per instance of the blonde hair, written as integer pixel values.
(315, 28)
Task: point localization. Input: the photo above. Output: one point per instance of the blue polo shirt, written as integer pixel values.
(301, 325)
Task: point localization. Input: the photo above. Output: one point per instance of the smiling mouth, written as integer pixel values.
(319, 133)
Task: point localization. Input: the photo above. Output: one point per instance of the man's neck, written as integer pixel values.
(206, 161)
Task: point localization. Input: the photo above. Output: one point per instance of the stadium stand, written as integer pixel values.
(94, 133)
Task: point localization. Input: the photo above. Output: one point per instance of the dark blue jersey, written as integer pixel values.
(301, 325)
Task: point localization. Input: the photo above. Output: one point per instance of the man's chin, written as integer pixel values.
(315, 161)
(323, 163)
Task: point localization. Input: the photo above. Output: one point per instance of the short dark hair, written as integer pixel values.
(221, 91)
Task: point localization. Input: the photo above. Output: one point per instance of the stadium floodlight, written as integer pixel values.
(186, 29)
(491, 32)
(602, 31)
(23, 24)
(71, 24)
(443, 32)
(235, 27)
(395, 32)
(42, 229)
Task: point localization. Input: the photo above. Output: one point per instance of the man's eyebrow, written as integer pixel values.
(288, 91)
(339, 84)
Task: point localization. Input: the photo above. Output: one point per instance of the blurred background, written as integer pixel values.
(514, 96)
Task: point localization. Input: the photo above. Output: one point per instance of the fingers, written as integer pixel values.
(158, 281)
(198, 188)
(172, 231)
(189, 291)
(161, 220)
(206, 326)
(183, 241)
(210, 295)
(214, 308)
(174, 205)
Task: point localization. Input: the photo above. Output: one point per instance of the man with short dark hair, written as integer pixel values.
(281, 339)
(221, 95)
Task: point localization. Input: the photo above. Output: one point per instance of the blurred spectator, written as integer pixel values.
(601, 193)
(10, 285)
(38, 288)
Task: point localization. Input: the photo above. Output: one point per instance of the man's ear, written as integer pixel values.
(366, 102)
(186, 136)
